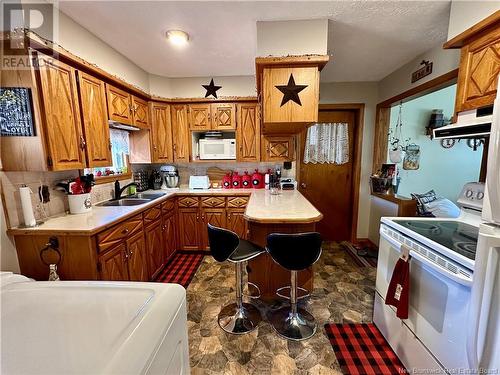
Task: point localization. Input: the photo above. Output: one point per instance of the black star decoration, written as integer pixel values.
(291, 91)
(211, 89)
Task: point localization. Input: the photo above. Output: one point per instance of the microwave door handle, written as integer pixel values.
(486, 270)
(462, 280)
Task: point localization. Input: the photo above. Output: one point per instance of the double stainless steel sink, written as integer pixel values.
(132, 200)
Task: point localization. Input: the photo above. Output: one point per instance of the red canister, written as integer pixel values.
(257, 180)
(236, 180)
(246, 181)
(226, 181)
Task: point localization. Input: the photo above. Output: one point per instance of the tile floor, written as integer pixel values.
(343, 292)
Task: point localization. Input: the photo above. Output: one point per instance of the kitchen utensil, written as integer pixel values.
(141, 179)
(156, 179)
(216, 174)
(79, 203)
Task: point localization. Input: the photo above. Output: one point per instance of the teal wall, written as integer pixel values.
(444, 170)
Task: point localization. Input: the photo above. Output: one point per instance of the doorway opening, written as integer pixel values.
(332, 186)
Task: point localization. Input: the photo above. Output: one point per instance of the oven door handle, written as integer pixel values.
(462, 280)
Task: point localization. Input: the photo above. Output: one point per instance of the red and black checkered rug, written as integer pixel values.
(361, 349)
(181, 269)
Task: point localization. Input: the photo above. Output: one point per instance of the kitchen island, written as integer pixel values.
(135, 242)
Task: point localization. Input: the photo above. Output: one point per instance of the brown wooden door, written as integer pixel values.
(62, 114)
(478, 74)
(137, 258)
(113, 264)
(248, 133)
(95, 120)
(277, 148)
(154, 246)
(223, 116)
(236, 222)
(169, 236)
(199, 117)
(180, 133)
(214, 216)
(189, 224)
(119, 105)
(328, 186)
(161, 133)
(140, 113)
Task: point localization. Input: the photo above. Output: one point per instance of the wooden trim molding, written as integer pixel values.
(489, 22)
(406, 206)
(383, 109)
(112, 178)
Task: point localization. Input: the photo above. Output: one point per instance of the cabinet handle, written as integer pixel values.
(203, 217)
(110, 145)
(154, 147)
(228, 217)
(197, 217)
(130, 253)
(82, 142)
(125, 231)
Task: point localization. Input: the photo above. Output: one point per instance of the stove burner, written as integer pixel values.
(422, 225)
(465, 248)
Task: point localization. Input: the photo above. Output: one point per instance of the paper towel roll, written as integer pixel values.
(29, 217)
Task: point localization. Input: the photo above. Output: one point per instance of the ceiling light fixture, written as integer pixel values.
(177, 37)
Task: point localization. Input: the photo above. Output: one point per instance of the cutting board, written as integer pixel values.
(215, 174)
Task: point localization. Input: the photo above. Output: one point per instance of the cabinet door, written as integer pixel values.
(161, 133)
(154, 245)
(189, 223)
(214, 216)
(248, 133)
(236, 222)
(169, 236)
(199, 117)
(140, 113)
(62, 114)
(113, 264)
(95, 120)
(478, 74)
(119, 105)
(223, 116)
(180, 133)
(137, 258)
(276, 148)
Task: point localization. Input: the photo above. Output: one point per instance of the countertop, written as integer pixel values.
(289, 206)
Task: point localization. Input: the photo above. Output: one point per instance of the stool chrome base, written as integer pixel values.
(241, 320)
(293, 326)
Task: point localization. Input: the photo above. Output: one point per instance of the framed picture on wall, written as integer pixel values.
(16, 112)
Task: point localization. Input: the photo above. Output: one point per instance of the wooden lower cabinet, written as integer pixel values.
(155, 241)
(189, 219)
(214, 216)
(137, 258)
(113, 264)
(236, 222)
(169, 236)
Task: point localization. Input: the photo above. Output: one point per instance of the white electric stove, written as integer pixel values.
(441, 275)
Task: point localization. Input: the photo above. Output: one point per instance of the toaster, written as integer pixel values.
(199, 182)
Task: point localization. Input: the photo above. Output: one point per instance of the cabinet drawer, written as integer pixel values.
(152, 214)
(119, 232)
(237, 202)
(168, 206)
(213, 201)
(188, 201)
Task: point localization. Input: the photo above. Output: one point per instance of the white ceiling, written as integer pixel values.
(368, 39)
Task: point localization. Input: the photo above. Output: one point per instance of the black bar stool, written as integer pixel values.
(294, 252)
(239, 317)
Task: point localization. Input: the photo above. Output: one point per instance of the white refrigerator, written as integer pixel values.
(483, 324)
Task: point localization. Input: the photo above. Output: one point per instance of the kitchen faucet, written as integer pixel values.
(119, 190)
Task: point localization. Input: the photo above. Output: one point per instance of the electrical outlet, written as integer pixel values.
(38, 211)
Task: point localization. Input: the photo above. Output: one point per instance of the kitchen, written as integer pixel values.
(184, 141)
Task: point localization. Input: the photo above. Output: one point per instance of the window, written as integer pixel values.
(119, 152)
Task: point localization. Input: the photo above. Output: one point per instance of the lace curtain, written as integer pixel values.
(327, 143)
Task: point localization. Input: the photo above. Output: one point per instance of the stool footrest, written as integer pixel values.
(302, 293)
(251, 295)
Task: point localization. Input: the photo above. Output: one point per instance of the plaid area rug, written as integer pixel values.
(362, 261)
(361, 349)
(181, 269)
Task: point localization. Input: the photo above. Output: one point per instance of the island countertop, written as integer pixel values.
(290, 206)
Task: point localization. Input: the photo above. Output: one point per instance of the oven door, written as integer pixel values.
(438, 305)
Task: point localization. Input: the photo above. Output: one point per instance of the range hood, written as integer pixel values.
(475, 123)
(119, 125)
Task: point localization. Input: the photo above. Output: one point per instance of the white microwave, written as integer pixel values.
(217, 149)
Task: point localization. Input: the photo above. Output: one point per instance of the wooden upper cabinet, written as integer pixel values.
(223, 116)
(199, 117)
(119, 105)
(140, 113)
(478, 72)
(95, 120)
(180, 133)
(248, 133)
(277, 148)
(161, 133)
(62, 125)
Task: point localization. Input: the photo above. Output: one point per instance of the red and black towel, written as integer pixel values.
(399, 287)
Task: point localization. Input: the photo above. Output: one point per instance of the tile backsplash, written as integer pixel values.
(58, 204)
